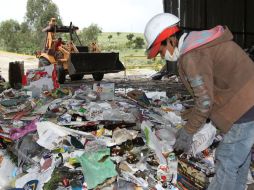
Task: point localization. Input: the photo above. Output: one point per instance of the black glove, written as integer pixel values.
(183, 140)
(159, 75)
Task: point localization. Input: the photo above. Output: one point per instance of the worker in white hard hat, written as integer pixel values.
(220, 77)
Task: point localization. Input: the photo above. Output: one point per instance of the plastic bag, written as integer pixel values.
(97, 167)
(167, 138)
(152, 141)
(6, 169)
(173, 118)
(203, 138)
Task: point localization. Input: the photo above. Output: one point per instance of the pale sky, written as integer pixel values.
(110, 15)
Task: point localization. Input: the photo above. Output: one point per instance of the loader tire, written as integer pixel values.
(98, 76)
(43, 62)
(76, 77)
(60, 74)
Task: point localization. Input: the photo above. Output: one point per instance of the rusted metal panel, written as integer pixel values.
(204, 14)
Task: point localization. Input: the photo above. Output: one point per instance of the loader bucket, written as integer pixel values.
(82, 48)
(89, 63)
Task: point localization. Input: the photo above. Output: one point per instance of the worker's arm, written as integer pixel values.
(199, 74)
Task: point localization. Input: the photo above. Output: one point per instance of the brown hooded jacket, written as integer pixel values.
(220, 76)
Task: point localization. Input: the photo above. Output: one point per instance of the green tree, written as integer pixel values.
(110, 37)
(118, 33)
(9, 34)
(129, 44)
(130, 36)
(27, 43)
(38, 14)
(16, 37)
(90, 34)
(138, 42)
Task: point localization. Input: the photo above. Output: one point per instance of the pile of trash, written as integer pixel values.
(3, 84)
(91, 137)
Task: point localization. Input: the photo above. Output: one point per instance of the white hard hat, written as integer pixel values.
(157, 24)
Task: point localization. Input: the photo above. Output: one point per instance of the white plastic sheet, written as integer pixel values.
(6, 169)
(203, 138)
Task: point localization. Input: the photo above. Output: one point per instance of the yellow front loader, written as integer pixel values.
(76, 61)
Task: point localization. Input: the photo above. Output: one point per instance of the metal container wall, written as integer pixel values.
(238, 15)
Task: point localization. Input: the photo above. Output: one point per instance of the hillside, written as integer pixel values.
(120, 42)
(130, 56)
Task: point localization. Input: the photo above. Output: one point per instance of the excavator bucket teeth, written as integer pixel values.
(89, 63)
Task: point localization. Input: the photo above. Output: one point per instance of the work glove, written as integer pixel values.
(183, 141)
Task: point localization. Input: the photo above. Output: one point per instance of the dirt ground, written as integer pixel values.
(31, 62)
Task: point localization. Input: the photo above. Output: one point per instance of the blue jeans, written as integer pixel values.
(233, 157)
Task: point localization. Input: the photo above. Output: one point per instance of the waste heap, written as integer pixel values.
(3, 84)
(93, 138)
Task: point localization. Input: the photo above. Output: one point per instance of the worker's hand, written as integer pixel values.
(183, 141)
